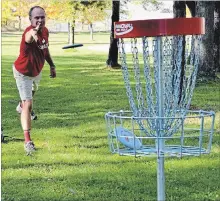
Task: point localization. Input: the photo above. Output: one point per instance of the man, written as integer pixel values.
(28, 66)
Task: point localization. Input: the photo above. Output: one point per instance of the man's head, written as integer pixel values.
(37, 16)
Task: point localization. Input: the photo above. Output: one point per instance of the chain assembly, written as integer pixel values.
(165, 75)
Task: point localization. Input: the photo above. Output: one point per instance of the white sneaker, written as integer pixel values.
(19, 108)
(29, 147)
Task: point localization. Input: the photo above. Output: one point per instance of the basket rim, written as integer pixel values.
(122, 114)
(159, 27)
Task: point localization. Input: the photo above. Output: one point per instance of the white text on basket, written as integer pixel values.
(121, 29)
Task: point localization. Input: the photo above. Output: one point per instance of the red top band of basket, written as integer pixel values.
(159, 27)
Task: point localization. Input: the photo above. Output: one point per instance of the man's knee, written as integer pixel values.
(27, 105)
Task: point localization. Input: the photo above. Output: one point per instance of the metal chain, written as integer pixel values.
(136, 67)
(171, 61)
(124, 65)
(148, 76)
(148, 87)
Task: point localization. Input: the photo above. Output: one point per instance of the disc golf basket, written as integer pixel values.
(159, 61)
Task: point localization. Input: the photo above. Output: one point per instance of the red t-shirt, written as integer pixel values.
(32, 55)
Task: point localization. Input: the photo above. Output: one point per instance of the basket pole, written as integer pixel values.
(160, 112)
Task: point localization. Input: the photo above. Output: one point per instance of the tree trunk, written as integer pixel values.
(217, 36)
(73, 32)
(19, 18)
(82, 25)
(206, 61)
(69, 32)
(192, 7)
(113, 49)
(91, 31)
(179, 10)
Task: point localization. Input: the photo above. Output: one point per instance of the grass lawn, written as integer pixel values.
(73, 161)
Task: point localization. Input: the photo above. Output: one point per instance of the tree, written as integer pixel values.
(217, 36)
(7, 8)
(66, 11)
(112, 60)
(179, 10)
(21, 9)
(206, 61)
(192, 7)
(151, 4)
(71, 11)
(91, 11)
(209, 53)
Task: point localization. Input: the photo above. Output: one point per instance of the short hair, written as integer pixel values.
(30, 11)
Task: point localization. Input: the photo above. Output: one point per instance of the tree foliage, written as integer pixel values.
(151, 5)
(7, 8)
(21, 9)
(92, 11)
(86, 12)
(64, 10)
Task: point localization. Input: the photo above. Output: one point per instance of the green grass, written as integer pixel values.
(73, 161)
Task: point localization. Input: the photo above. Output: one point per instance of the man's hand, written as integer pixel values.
(31, 35)
(52, 72)
(36, 29)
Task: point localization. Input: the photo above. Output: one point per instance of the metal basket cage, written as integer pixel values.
(193, 137)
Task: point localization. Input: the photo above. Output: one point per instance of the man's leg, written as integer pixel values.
(26, 125)
(26, 119)
(20, 106)
(35, 85)
(24, 85)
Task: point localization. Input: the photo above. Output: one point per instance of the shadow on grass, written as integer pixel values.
(8, 139)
